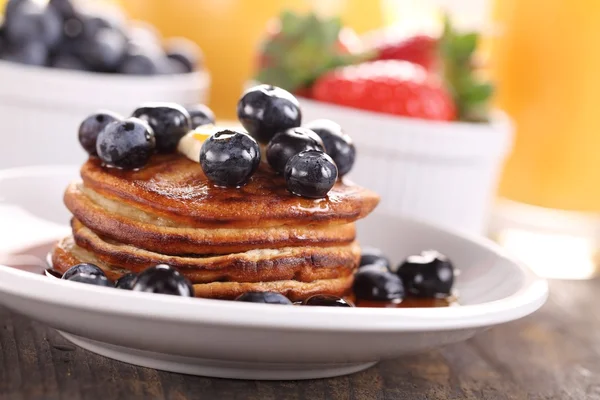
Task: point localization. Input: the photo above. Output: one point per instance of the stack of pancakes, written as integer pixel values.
(227, 241)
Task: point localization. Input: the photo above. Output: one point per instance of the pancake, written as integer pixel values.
(306, 277)
(173, 187)
(126, 224)
(226, 241)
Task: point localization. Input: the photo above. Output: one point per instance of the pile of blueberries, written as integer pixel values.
(65, 34)
(311, 158)
(427, 275)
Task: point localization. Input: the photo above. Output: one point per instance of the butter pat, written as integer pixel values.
(191, 143)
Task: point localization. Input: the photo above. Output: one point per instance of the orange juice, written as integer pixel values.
(229, 31)
(546, 66)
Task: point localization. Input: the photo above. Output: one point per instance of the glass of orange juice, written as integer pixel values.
(547, 73)
(228, 31)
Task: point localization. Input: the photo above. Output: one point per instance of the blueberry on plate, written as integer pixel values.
(430, 274)
(264, 297)
(141, 63)
(310, 174)
(126, 144)
(91, 279)
(372, 255)
(91, 127)
(229, 158)
(338, 145)
(169, 121)
(184, 52)
(378, 285)
(83, 268)
(126, 281)
(105, 50)
(200, 115)
(326, 301)
(290, 142)
(66, 60)
(163, 279)
(265, 110)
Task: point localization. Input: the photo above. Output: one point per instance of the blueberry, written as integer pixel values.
(139, 63)
(163, 279)
(311, 174)
(378, 285)
(326, 301)
(65, 8)
(200, 115)
(264, 297)
(290, 142)
(127, 144)
(30, 53)
(64, 60)
(169, 121)
(338, 145)
(265, 110)
(105, 50)
(229, 158)
(91, 279)
(126, 281)
(429, 274)
(372, 255)
(91, 127)
(84, 268)
(28, 21)
(183, 51)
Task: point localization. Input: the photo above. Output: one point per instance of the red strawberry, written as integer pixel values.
(391, 87)
(419, 49)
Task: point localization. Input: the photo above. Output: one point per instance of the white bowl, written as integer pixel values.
(441, 172)
(41, 108)
(255, 341)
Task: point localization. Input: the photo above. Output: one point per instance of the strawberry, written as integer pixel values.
(387, 86)
(299, 48)
(419, 49)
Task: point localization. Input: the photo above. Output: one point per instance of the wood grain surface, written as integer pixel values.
(554, 354)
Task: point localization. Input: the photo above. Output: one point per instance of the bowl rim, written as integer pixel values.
(530, 296)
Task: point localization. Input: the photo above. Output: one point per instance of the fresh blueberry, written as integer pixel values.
(372, 255)
(311, 174)
(27, 21)
(290, 142)
(183, 51)
(200, 115)
(264, 297)
(169, 121)
(91, 127)
(430, 274)
(126, 144)
(140, 63)
(338, 145)
(84, 268)
(105, 50)
(30, 53)
(229, 158)
(91, 279)
(326, 301)
(378, 285)
(163, 279)
(126, 281)
(65, 8)
(64, 60)
(265, 110)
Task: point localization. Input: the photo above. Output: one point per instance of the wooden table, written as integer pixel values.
(554, 354)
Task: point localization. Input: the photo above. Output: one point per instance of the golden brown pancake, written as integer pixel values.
(290, 272)
(172, 186)
(227, 241)
(126, 224)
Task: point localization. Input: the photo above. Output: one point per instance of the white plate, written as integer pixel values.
(254, 341)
